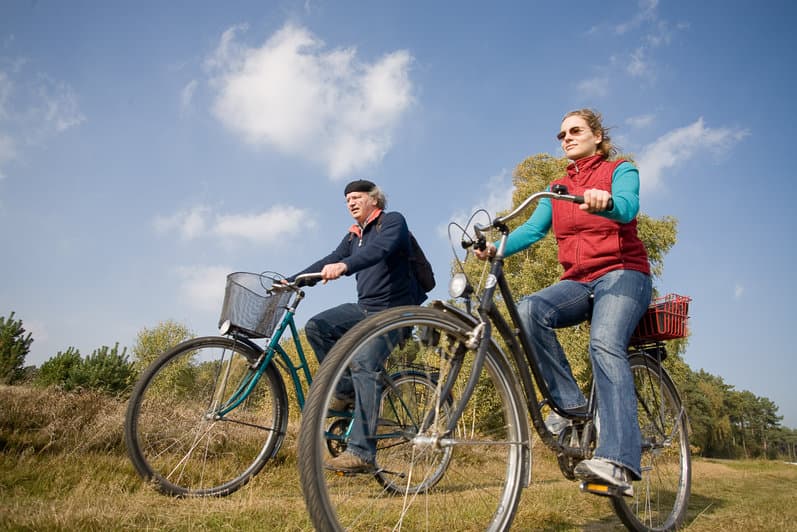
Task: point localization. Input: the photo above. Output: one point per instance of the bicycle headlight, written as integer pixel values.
(458, 286)
(224, 328)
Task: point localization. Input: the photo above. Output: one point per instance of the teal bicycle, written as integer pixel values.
(207, 415)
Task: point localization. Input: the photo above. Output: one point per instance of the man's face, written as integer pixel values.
(360, 205)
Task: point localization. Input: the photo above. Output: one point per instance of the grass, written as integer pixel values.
(63, 467)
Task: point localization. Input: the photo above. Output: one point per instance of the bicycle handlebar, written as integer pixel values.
(558, 192)
(305, 279)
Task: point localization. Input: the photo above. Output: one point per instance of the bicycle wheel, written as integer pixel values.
(426, 479)
(183, 431)
(661, 497)
(404, 467)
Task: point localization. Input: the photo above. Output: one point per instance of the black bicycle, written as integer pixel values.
(485, 385)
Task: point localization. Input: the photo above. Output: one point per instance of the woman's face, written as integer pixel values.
(578, 140)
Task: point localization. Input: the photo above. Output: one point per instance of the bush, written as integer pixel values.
(14, 347)
(60, 370)
(105, 370)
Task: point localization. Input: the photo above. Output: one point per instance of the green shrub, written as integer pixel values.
(105, 370)
(14, 347)
(60, 370)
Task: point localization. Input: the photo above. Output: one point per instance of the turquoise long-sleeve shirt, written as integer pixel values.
(625, 193)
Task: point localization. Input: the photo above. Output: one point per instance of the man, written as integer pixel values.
(377, 250)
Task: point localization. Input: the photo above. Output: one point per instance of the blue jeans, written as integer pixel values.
(620, 299)
(363, 378)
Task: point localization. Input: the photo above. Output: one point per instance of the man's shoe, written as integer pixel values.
(341, 404)
(350, 463)
(597, 469)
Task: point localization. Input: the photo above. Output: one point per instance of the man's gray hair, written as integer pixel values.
(379, 196)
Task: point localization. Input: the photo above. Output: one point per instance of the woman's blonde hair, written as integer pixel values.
(595, 122)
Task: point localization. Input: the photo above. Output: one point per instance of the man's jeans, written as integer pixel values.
(621, 298)
(363, 378)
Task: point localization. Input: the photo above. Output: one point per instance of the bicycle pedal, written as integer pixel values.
(600, 488)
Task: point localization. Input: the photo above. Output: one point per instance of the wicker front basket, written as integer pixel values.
(665, 319)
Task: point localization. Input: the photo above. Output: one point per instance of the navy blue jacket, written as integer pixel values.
(380, 260)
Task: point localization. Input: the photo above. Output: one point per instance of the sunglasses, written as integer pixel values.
(577, 130)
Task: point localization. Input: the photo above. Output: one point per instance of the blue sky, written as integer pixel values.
(149, 148)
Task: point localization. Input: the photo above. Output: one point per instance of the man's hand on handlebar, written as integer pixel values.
(331, 272)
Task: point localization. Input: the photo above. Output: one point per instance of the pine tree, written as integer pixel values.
(14, 347)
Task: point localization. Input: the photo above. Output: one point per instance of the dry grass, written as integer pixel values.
(62, 467)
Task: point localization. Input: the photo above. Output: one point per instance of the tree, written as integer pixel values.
(152, 343)
(14, 347)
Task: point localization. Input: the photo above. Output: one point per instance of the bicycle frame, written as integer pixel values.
(274, 352)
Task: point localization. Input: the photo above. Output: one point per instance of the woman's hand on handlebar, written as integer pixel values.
(596, 201)
(487, 253)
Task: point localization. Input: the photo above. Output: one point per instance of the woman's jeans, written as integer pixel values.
(620, 299)
(363, 379)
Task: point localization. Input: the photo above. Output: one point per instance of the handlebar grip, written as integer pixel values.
(580, 200)
(307, 279)
(304, 281)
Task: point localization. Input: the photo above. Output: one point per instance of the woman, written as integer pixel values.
(603, 258)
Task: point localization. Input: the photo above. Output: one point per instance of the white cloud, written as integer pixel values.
(593, 87)
(640, 121)
(60, 109)
(639, 66)
(293, 95)
(32, 111)
(265, 227)
(203, 286)
(189, 224)
(8, 151)
(262, 228)
(683, 144)
(738, 291)
(646, 13)
(5, 93)
(187, 95)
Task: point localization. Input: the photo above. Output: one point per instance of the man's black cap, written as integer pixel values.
(361, 185)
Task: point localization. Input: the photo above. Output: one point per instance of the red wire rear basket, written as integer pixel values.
(665, 319)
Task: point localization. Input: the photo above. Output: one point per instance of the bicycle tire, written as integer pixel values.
(481, 484)
(661, 497)
(174, 434)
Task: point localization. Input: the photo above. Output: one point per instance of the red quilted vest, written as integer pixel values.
(591, 245)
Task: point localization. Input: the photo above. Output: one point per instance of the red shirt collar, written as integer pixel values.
(358, 230)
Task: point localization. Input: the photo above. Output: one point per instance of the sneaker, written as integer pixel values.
(348, 462)
(605, 471)
(556, 423)
(341, 404)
